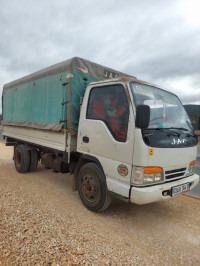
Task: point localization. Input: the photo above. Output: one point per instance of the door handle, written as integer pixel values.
(85, 139)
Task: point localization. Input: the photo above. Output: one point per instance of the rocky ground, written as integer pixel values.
(43, 222)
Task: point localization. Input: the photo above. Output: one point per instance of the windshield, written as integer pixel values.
(166, 110)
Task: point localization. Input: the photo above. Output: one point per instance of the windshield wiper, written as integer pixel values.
(176, 134)
(158, 129)
(183, 129)
(169, 129)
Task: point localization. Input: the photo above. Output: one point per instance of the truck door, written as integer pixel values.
(106, 132)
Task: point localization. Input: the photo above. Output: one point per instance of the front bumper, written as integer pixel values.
(144, 195)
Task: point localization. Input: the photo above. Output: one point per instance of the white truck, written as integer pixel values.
(116, 134)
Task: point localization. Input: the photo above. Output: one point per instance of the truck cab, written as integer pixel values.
(139, 138)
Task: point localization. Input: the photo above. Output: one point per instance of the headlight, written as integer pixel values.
(147, 175)
(191, 168)
(137, 175)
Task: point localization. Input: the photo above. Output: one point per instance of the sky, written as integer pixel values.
(156, 41)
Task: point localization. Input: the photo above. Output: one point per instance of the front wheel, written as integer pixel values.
(92, 188)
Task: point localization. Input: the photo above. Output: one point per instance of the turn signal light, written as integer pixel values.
(151, 170)
(193, 163)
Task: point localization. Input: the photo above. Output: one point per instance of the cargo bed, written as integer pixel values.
(61, 141)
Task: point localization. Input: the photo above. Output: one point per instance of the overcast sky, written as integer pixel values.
(157, 41)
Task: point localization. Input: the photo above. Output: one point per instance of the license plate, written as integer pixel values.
(180, 189)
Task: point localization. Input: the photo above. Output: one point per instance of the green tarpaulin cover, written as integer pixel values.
(50, 98)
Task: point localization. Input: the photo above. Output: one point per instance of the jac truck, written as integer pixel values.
(117, 135)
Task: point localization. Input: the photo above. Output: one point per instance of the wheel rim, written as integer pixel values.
(90, 188)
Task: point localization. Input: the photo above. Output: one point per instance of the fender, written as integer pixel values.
(84, 158)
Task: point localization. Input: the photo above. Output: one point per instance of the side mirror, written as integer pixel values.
(142, 116)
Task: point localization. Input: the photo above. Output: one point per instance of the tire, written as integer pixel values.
(92, 188)
(21, 158)
(33, 160)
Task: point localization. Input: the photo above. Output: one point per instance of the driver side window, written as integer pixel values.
(109, 104)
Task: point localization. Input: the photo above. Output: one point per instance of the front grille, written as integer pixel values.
(177, 173)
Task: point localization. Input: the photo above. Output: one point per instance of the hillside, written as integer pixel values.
(193, 112)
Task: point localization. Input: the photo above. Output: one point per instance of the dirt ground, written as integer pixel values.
(43, 222)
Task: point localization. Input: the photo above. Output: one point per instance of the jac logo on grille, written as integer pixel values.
(178, 141)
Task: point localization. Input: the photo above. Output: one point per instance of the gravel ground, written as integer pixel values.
(43, 222)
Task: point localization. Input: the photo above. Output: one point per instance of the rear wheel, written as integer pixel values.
(92, 188)
(21, 158)
(33, 160)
